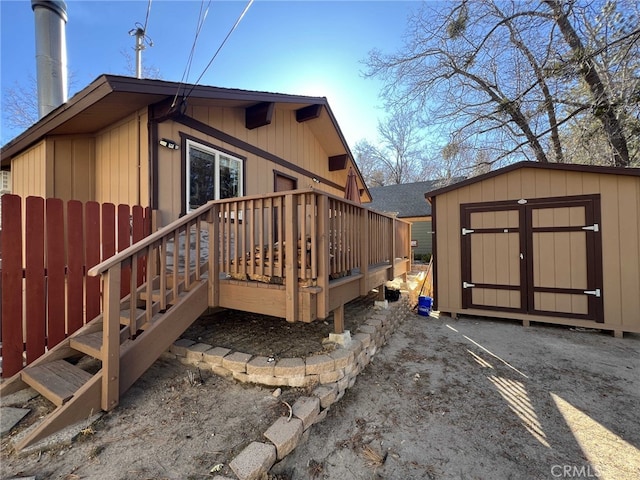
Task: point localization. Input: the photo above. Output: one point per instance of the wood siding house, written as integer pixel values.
(247, 191)
(550, 243)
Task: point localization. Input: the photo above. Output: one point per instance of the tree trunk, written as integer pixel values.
(602, 108)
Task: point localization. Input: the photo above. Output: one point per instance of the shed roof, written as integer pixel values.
(527, 164)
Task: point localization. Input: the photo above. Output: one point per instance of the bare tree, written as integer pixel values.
(503, 76)
(148, 71)
(609, 64)
(398, 156)
(20, 105)
(371, 169)
(457, 160)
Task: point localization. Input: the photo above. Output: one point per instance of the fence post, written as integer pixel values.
(392, 236)
(323, 256)
(290, 221)
(214, 254)
(364, 252)
(111, 338)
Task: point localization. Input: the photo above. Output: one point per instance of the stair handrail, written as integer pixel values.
(110, 270)
(157, 236)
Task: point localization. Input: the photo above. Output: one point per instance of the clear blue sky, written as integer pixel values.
(294, 47)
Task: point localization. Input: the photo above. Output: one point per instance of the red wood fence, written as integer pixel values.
(46, 294)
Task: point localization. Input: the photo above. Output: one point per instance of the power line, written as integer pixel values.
(235, 25)
(187, 68)
(146, 20)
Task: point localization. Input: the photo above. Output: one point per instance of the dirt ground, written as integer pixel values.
(466, 399)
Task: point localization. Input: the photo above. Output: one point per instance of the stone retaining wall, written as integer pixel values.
(330, 373)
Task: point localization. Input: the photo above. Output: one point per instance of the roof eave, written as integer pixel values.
(93, 92)
(106, 84)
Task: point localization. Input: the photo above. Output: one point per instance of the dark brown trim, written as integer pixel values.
(551, 202)
(183, 165)
(563, 291)
(258, 115)
(526, 260)
(184, 152)
(558, 229)
(497, 230)
(153, 160)
(545, 166)
(597, 258)
(308, 113)
(185, 136)
(591, 251)
(338, 162)
(434, 253)
(496, 286)
(496, 308)
(165, 110)
(163, 87)
(247, 147)
(465, 256)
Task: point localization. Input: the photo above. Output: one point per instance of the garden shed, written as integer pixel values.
(551, 243)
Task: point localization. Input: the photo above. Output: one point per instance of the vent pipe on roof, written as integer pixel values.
(51, 53)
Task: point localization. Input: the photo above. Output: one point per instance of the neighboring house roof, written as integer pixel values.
(109, 98)
(527, 164)
(405, 200)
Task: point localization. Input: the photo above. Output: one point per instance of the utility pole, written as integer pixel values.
(140, 34)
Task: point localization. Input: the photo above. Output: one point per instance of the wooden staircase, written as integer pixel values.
(72, 374)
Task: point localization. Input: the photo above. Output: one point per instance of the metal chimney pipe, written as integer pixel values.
(51, 53)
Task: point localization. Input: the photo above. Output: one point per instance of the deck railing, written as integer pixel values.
(295, 239)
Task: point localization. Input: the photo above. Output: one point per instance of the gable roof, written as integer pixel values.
(527, 164)
(406, 199)
(109, 98)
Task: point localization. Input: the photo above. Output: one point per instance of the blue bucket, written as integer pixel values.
(424, 305)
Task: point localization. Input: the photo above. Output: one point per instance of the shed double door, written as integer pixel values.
(540, 257)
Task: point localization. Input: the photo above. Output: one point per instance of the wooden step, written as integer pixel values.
(91, 343)
(58, 381)
(156, 296)
(125, 317)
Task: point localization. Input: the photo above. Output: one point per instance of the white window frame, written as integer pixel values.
(216, 154)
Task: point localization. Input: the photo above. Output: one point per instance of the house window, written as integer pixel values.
(211, 175)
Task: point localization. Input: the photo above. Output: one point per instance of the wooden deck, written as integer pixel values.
(299, 255)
